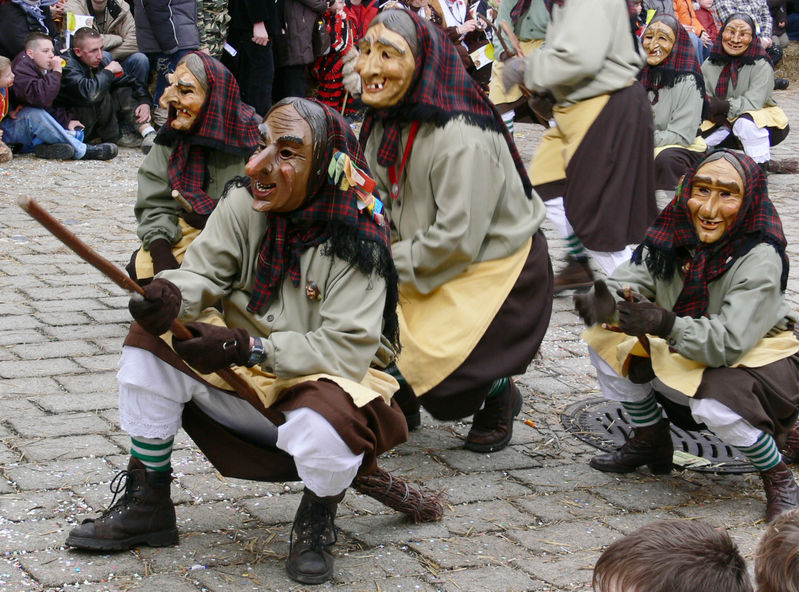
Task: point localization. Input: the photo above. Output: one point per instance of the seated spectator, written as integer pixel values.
(779, 22)
(35, 125)
(114, 21)
(706, 13)
(739, 79)
(6, 80)
(777, 555)
(19, 18)
(660, 6)
(684, 12)
(467, 33)
(672, 556)
(113, 106)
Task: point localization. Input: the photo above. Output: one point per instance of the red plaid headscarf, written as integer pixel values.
(440, 91)
(330, 215)
(731, 64)
(672, 243)
(681, 62)
(225, 124)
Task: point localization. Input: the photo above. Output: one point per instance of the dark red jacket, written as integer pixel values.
(361, 16)
(33, 88)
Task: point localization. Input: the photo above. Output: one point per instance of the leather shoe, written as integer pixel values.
(492, 426)
(650, 445)
(782, 493)
(575, 275)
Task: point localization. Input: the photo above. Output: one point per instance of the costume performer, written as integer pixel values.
(474, 270)
(205, 143)
(299, 259)
(718, 329)
(673, 81)
(739, 80)
(594, 168)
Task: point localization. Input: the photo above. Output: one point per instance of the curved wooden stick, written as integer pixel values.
(121, 279)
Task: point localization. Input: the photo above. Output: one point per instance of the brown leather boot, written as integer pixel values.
(576, 274)
(782, 494)
(650, 445)
(791, 452)
(310, 560)
(144, 514)
(492, 426)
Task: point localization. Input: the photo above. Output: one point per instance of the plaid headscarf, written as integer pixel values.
(681, 62)
(520, 9)
(672, 241)
(440, 91)
(330, 215)
(731, 64)
(224, 124)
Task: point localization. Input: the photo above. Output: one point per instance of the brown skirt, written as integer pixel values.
(610, 180)
(508, 345)
(371, 429)
(671, 164)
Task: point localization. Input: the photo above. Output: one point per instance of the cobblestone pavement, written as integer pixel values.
(532, 517)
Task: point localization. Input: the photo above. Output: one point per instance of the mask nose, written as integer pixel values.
(260, 163)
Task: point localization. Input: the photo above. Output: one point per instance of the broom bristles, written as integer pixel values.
(421, 505)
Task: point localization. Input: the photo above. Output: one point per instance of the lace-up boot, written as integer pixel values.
(143, 514)
(312, 534)
(782, 493)
(492, 426)
(650, 445)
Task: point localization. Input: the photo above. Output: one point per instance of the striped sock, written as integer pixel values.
(763, 454)
(394, 371)
(643, 413)
(154, 453)
(507, 119)
(576, 248)
(497, 387)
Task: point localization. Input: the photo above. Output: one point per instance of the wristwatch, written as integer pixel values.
(257, 353)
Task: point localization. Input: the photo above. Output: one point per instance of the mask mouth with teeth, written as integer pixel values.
(386, 65)
(186, 94)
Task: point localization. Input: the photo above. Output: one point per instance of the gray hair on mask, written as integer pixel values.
(729, 158)
(401, 23)
(195, 65)
(314, 116)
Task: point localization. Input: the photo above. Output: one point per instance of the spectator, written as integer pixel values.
(706, 13)
(36, 125)
(6, 80)
(114, 21)
(112, 105)
(684, 11)
(361, 14)
(18, 18)
(779, 22)
(777, 555)
(165, 31)
(212, 22)
(293, 49)
(660, 6)
(328, 68)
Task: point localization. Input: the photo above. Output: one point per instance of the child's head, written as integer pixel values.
(335, 6)
(706, 4)
(777, 556)
(672, 556)
(6, 75)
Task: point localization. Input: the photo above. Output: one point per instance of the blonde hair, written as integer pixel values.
(5, 63)
(777, 555)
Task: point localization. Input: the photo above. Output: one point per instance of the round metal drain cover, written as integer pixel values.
(605, 425)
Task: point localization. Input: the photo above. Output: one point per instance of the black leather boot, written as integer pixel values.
(144, 514)
(650, 445)
(310, 559)
(782, 493)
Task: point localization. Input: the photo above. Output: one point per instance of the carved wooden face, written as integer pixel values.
(658, 42)
(386, 66)
(736, 37)
(717, 192)
(187, 95)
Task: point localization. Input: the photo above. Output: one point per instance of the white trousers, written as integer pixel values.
(607, 261)
(755, 140)
(152, 395)
(720, 419)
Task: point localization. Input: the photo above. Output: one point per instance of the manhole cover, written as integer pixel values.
(604, 425)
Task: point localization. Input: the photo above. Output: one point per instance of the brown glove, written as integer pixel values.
(158, 308)
(642, 317)
(161, 252)
(214, 347)
(718, 110)
(595, 306)
(194, 219)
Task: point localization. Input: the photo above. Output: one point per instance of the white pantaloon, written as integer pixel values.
(725, 423)
(152, 395)
(755, 140)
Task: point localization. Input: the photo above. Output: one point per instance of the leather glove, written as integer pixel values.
(161, 253)
(214, 347)
(158, 308)
(513, 72)
(642, 317)
(595, 306)
(717, 110)
(193, 219)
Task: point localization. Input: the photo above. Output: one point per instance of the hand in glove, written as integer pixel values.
(161, 253)
(214, 347)
(193, 219)
(158, 308)
(541, 104)
(641, 317)
(718, 110)
(513, 72)
(595, 306)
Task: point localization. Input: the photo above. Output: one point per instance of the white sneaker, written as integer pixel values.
(147, 142)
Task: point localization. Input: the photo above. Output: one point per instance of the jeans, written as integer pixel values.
(36, 126)
(136, 64)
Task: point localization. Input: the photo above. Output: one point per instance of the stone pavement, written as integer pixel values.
(532, 517)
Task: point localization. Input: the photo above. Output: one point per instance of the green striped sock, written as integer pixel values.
(643, 413)
(507, 119)
(763, 454)
(576, 248)
(497, 387)
(154, 453)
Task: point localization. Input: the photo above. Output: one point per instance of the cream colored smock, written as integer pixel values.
(678, 114)
(461, 230)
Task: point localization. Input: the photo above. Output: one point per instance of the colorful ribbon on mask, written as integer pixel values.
(343, 172)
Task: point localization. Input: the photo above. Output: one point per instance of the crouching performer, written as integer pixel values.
(298, 257)
(474, 270)
(703, 323)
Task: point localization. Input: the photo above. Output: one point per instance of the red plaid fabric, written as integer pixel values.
(731, 64)
(671, 243)
(225, 124)
(681, 63)
(329, 215)
(441, 90)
